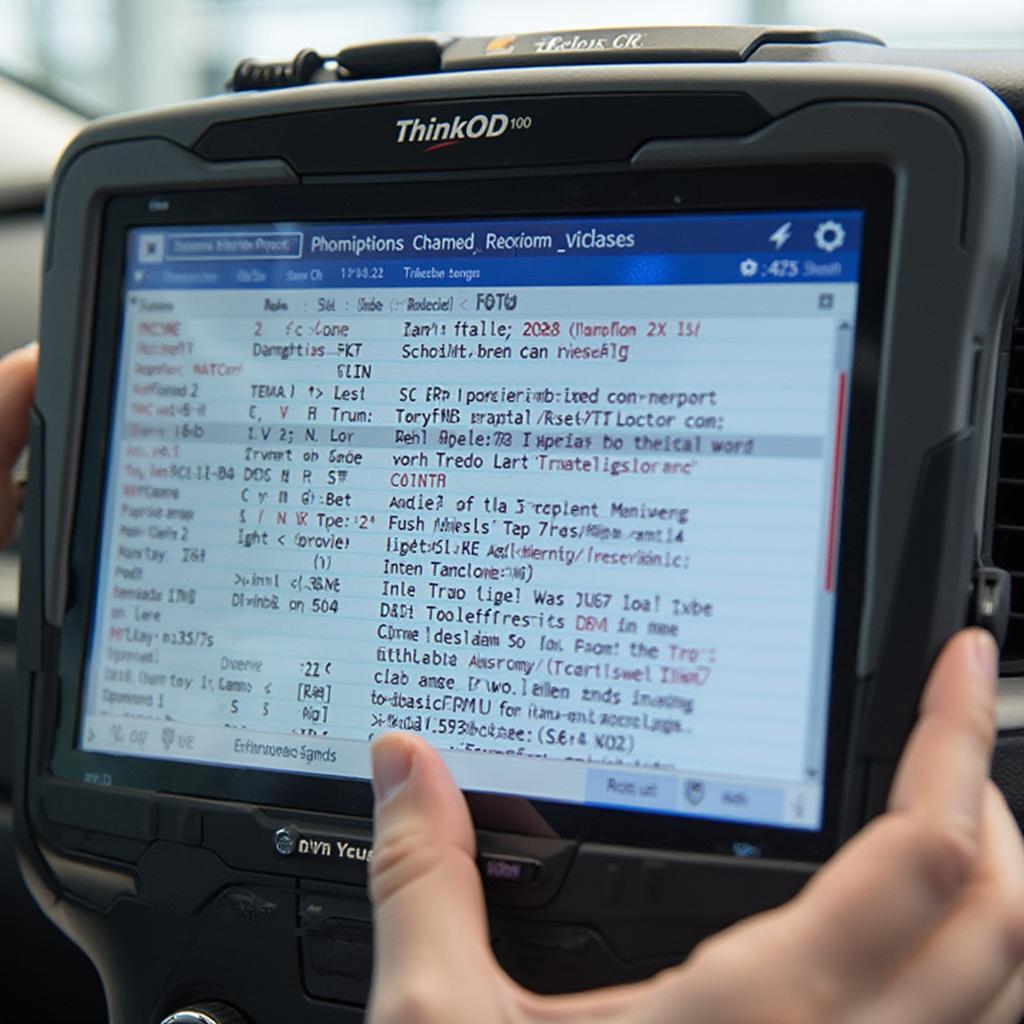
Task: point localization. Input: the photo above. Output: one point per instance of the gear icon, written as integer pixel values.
(829, 235)
(748, 268)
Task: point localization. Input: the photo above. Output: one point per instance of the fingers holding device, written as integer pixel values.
(17, 382)
(929, 896)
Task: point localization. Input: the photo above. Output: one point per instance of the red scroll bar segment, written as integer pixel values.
(833, 512)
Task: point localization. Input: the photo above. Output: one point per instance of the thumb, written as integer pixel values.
(430, 923)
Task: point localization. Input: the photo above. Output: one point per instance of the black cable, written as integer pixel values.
(252, 74)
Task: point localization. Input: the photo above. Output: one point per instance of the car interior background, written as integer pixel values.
(65, 61)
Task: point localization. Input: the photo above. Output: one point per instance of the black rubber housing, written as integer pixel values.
(180, 899)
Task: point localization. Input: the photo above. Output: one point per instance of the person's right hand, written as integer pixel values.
(918, 920)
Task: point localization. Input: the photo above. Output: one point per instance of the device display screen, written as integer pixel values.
(560, 494)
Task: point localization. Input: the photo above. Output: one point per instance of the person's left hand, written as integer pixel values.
(17, 385)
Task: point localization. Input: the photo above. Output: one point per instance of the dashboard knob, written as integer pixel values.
(206, 1013)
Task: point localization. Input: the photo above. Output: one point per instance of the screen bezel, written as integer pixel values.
(868, 188)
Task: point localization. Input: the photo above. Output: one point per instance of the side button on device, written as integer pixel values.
(496, 867)
(521, 870)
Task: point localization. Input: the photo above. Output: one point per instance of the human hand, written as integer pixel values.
(17, 385)
(918, 920)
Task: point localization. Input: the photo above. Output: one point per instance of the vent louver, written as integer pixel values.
(1008, 523)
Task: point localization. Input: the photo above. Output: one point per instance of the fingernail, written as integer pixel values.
(392, 763)
(987, 653)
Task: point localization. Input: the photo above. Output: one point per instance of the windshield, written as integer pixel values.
(112, 55)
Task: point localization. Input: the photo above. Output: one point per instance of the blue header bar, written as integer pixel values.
(819, 246)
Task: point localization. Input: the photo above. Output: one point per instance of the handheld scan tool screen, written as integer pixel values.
(560, 494)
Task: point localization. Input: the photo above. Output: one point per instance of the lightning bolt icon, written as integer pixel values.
(781, 235)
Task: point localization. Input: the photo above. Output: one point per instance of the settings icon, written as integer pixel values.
(829, 235)
(748, 268)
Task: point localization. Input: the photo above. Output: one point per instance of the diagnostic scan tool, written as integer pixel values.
(609, 409)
